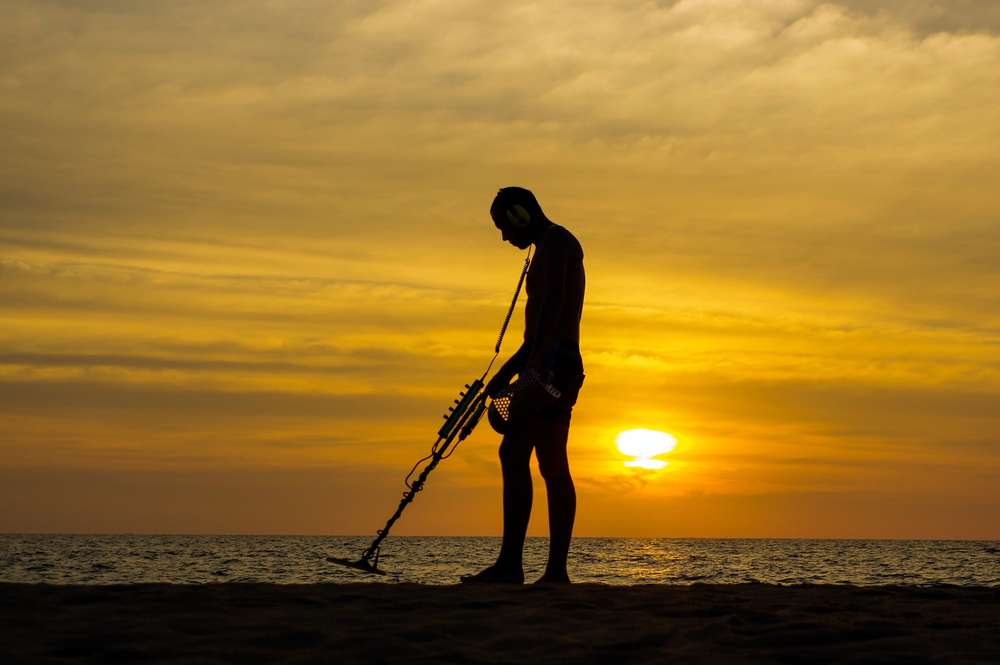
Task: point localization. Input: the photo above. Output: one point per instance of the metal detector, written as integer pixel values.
(464, 417)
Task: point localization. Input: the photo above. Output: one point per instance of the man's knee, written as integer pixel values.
(554, 469)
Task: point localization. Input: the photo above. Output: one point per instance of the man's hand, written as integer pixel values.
(497, 383)
(515, 365)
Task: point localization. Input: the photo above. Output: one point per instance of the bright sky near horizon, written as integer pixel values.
(246, 260)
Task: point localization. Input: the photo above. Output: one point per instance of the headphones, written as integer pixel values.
(518, 216)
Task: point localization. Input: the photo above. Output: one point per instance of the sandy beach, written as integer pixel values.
(383, 623)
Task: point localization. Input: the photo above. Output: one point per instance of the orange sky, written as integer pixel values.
(246, 260)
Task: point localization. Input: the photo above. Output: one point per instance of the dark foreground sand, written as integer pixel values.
(388, 623)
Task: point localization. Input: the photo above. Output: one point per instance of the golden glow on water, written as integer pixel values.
(644, 444)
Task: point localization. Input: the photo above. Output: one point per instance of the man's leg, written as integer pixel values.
(515, 458)
(550, 448)
(515, 463)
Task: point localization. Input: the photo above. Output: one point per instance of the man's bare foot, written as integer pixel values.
(494, 575)
(552, 579)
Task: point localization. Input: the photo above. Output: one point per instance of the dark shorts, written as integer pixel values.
(567, 366)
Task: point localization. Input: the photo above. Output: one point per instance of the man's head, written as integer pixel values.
(515, 211)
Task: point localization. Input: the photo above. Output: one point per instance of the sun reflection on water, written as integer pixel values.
(645, 463)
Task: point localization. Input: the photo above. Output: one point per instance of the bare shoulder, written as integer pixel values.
(558, 239)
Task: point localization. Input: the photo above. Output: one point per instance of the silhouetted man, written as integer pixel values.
(555, 287)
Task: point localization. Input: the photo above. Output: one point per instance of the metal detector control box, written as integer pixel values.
(455, 417)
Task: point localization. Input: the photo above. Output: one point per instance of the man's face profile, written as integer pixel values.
(515, 236)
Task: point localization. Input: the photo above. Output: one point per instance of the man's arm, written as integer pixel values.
(513, 366)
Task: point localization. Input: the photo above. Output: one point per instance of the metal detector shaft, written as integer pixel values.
(463, 419)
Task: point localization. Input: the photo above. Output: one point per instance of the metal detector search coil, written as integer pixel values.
(517, 403)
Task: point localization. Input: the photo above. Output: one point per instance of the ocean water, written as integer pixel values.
(131, 559)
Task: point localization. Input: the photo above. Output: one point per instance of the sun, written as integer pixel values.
(644, 444)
